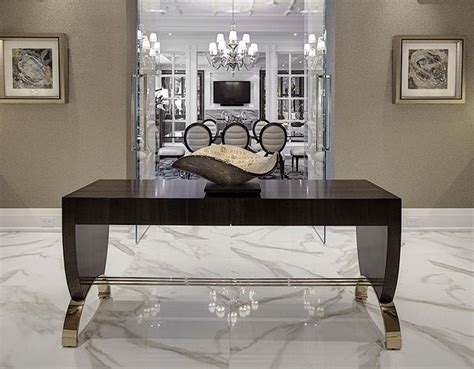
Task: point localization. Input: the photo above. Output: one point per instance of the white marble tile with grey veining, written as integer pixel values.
(190, 327)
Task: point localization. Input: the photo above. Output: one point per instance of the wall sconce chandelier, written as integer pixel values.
(149, 49)
(315, 51)
(232, 55)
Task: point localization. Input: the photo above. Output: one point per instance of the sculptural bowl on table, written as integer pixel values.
(229, 167)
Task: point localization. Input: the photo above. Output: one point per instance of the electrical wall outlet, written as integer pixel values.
(47, 222)
(413, 221)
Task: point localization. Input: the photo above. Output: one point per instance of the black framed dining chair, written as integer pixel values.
(212, 125)
(197, 136)
(257, 128)
(236, 134)
(273, 137)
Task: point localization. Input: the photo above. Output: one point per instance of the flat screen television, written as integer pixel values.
(231, 93)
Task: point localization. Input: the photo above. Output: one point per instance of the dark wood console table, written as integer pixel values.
(88, 212)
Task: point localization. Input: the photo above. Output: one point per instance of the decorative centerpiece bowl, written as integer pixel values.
(226, 165)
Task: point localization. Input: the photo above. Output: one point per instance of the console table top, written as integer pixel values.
(194, 189)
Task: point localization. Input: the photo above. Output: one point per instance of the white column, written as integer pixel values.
(271, 83)
(191, 85)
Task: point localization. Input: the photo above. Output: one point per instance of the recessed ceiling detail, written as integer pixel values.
(259, 8)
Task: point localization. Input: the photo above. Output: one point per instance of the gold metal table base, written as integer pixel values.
(393, 334)
(75, 308)
(72, 319)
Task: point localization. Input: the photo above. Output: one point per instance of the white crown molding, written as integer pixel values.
(198, 24)
(49, 220)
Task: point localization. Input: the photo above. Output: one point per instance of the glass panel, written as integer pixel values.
(166, 61)
(168, 134)
(180, 109)
(297, 86)
(179, 62)
(179, 127)
(283, 87)
(283, 110)
(166, 86)
(166, 104)
(283, 63)
(297, 109)
(180, 86)
(300, 104)
(297, 62)
(200, 95)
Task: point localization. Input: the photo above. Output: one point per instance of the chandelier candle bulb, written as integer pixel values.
(221, 45)
(220, 38)
(213, 48)
(246, 38)
(254, 48)
(233, 36)
(321, 44)
(152, 52)
(145, 44)
(307, 49)
(312, 38)
(242, 47)
(153, 37)
(157, 47)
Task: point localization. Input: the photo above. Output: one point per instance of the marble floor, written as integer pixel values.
(189, 327)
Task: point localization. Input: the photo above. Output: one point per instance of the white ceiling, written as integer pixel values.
(257, 8)
(198, 17)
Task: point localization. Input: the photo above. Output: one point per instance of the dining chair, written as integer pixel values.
(297, 153)
(197, 136)
(257, 127)
(273, 137)
(236, 134)
(212, 125)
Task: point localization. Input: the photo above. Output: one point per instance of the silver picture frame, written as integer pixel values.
(34, 68)
(428, 70)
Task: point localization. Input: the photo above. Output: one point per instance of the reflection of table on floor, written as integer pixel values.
(88, 212)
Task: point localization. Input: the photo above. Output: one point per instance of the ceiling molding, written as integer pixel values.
(186, 24)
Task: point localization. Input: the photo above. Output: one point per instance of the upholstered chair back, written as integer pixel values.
(273, 138)
(236, 134)
(257, 127)
(212, 125)
(197, 136)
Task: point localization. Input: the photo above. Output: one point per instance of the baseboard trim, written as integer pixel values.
(49, 219)
(438, 218)
(37, 220)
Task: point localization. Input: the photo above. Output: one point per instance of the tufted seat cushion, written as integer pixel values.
(297, 151)
(171, 151)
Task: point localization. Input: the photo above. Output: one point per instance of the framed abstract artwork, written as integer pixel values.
(428, 70)
(33, 68)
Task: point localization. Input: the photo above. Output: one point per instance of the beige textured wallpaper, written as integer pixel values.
(49, 150)
(423, 153)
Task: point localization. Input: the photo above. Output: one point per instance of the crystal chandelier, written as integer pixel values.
(232, 55)
(233, 304)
